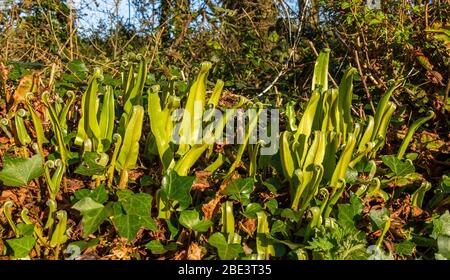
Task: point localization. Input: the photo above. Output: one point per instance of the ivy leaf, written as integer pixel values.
(127, 225)
(177, 188)
(18, 172)
(273, 184)
(90, 166)
(22, 246)
(158, 248)
(441, 226)
(92, 219)
(348, 212)
(225, 250)
(98, 194)
(405, 248)
(290, 214)
(24, 229)
(279, 226)
(140, 205)
(399, 167)
(378, 217)
(443, 243)
(441, 232)
(351, 175)
(272, 205)
(81, 245)
(191, 220)
(78, 68)
(86, 204)
(252, 209)
(137, 214)
(240, 190)
(173, 226)
(94, 214)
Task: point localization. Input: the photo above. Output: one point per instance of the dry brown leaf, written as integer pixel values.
(419, 214)
(219, 147)
(210, 208)
(401, 208)
(3, 71)
(435, 77)
(201, 181)
(180, 255)
(23, 194)
(228, 99)
(9, 195)
(135, 174)
(200, 185)
(249, 226)
(160, 234)
(28, 83)
(194, 252)
(74, 184)
(225, 183)
(121, 251)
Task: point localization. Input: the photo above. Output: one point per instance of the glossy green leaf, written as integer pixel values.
(405, 248)
(191, 220)
(22, 246)
(348, 213)
(188, 160)
(240, 190)
(381, 110)
(345, 98)
(378, 217)
(399, 167)
(90, 165)
(130, 145)
(94, 214)
(157, 248)
(252, 209)
(25, 229)
(271, 205)
(226, 251)
(287, 160)
(441, 225)
(18, 172)
(98, 194)
(140, 205)
(177, 189)
(195, 106)
(127, 225)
